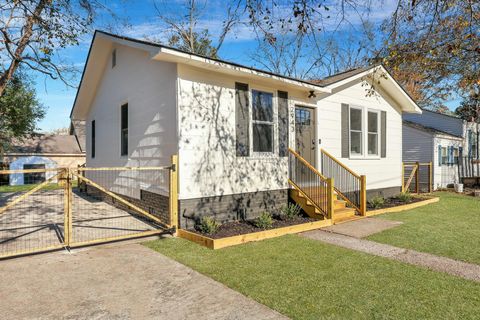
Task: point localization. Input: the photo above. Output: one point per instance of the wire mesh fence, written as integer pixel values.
(31, 211)
(43, 209)
(117, 203)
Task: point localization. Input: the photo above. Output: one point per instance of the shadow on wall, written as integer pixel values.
(207, 136)
(150, 151)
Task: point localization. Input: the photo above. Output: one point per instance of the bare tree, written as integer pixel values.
(308, 39)
(185, 32)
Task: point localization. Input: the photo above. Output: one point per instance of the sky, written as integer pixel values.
(139, 19)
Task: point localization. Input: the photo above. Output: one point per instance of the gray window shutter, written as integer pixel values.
(440, 155)
(242, 120)
(345, 131)
(384, 134)
(283, 123)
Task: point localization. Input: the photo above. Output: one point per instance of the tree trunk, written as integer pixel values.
(22, 44)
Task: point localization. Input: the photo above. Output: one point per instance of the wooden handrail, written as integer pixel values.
(339, 163)
(299, 157)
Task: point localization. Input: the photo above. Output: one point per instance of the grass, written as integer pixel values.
(27, 187)
(448, 228)
(307, 279)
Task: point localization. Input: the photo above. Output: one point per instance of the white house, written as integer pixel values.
(446, 141)
(232, 125)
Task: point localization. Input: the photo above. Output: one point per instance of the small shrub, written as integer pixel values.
(405, 197)
(377, 202)
(290, 211)
(264, 221)
(208, 225)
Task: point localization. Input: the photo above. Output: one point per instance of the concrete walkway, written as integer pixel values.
(121, 281)
(465, 270)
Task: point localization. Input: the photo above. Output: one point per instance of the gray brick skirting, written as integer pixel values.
(231, 207)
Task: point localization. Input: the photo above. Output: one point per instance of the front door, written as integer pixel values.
(305, 133)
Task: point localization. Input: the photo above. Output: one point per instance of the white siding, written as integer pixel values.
(438, 121)
(209, 166)
(380, 172)
(149, 89)
(208, 162)
(444, 175)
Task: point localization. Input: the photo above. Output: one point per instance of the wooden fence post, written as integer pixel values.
(330, 196)
(363, 195)
(403, 177)
(173, 194)
(65, 177)
(430, 178)
(417, 185)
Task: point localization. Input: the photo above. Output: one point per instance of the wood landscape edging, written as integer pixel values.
(249, 237)
(403, 207)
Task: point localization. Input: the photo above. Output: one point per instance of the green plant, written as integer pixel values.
(208, 225)
(264, 221)
(377, 202)
(405, 197)
(290, 211)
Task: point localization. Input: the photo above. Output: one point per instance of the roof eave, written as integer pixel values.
(407, 104)
(166, 54)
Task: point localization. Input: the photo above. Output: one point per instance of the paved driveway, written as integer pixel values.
(120, 281)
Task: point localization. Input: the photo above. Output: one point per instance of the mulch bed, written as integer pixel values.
(395, 202)
(236, 228)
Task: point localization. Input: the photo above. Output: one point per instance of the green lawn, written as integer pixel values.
(26, 187)
(307, 279)
(449, 228)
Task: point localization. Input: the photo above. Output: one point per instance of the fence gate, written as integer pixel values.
(417, 177)
(71, 207)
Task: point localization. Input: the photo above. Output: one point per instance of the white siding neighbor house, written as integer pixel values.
(232, 126)
(450, 143)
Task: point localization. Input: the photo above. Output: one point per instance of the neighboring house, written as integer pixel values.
(42, 151)
(440, 139)
(231, 125)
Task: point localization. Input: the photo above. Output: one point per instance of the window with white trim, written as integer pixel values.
(356, 132)
(373, 132)
(444, 155)
(262, 121)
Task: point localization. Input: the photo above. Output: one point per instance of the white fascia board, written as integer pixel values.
(165, 54)
(390, 84)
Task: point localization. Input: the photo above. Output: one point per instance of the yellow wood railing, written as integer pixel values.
(317, 188)
(349, 185)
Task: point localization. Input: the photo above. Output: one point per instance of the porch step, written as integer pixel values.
(343, 215)
(310, 208)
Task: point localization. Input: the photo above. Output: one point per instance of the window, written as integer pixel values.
(114, 58)
(33, 177)
(356, 132)
(444, 155)
(456, 154)
(302, 117)
(93, 139)
(372, 139)
(4, 178)
(262, 121)
(124, 130)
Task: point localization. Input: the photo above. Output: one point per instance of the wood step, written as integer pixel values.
(306, 205)
(346, 219)
(337, 203)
